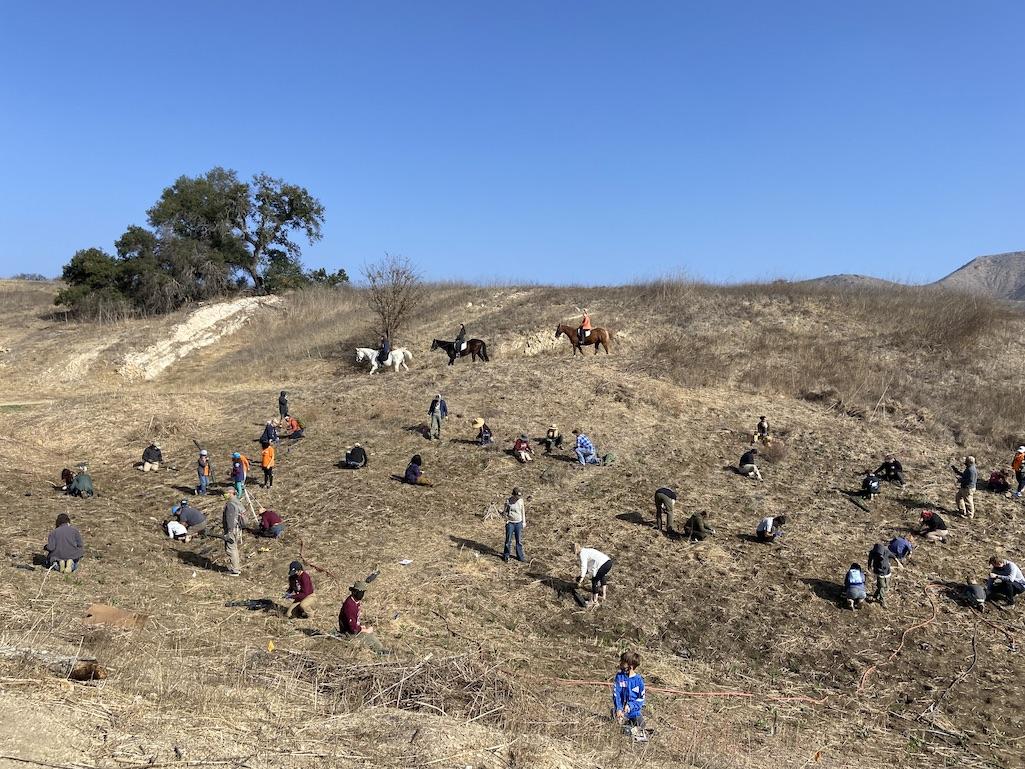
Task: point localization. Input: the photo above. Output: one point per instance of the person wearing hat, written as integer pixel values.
(437, 412)
(1018, 465)
(521, 449)
(762, 430)
(891, 470)
(552, 439)
(747, 466)
(933, 527)
(355, 458)
(204, 470)
(192, 519)
(64, 547)
(82, 485)
(233, 520)
(349, 618)
(283, 405)
(967, 480)
(151, 458)
(300, 592)
(270, 524)
(515, 522)
(484, 436)
(238, 474)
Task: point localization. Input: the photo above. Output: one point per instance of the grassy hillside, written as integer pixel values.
(479, 646)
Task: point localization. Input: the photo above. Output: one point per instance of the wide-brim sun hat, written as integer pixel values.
(477, 423)
(359, 587)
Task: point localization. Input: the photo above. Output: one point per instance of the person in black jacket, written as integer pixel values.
(747, 464)
(879, 563)
(933, 527)
(283, 405)
(891, 470)
(355, 458)
(870, 485)
(151, 458)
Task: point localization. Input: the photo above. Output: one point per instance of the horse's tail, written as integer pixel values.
(608, 331)
(407, 355)
(484, 351)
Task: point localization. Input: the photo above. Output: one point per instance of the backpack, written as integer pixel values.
(245, 464)
(608, 459)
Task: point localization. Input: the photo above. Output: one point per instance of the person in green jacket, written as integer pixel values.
(82, 486)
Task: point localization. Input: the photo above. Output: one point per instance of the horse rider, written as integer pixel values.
(384, 350)
(460, 338)
(585, 326)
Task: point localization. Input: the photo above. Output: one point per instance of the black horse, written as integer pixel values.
(474, 348)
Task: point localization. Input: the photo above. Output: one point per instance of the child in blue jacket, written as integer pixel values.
(628, 695)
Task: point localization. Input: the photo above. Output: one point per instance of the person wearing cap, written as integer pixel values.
(64, 547)
(300, 592)
(747, 466)
(270, 524)
(665, 504)
(438, 411)
(552, 439)
(192, 519)
(933, 527)
(596, 565)
(349, 620)
(584, 449)
(967, 480)
(283, 404)
(484, 434)
(891, 470)
(233, 520)
(82, 485)
(355, 458)
(515, 522)
(267, 464)
(762, 430)
(204, 470)
(1018, 465)
(270, 433)
(238, 474)
(521, 449)
(1005, 579)
(151, 458)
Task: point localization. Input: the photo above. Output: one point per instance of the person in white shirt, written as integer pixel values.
(596, 565)
(770, 527)
(1005, 579)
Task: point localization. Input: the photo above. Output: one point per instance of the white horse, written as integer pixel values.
(396, 358)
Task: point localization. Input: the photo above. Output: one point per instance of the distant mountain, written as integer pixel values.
(847, 281)
(1001, 276)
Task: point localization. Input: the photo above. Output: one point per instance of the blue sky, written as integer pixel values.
(592, 142)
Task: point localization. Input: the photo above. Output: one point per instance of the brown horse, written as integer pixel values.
(599, 336)
(476, 348)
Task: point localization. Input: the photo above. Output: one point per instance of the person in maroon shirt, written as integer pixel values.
(349, 618)
(271, 524)
(300, 591)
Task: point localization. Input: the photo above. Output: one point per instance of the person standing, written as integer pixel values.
(1018, 465)
(64, 547)
(349, 619)
(267, 463)
(204, 471)
(879, 563)
(283, 405)
(232, 518)
(665, 503)
(515, 522)
(437, 412)
(967, 480)
(596, 565)
(300, 592)
(238, 475)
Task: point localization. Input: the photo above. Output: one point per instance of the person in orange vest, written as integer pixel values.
(1019, 469)
(204, 470)
(267, 463)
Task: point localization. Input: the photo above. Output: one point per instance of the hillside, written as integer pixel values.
(1001, 276)
(479, 646)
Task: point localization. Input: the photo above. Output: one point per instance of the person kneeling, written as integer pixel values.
(270, 524)
(356, 457)
(697, 528)
(64, 547)
(300, 591)
(854, 586)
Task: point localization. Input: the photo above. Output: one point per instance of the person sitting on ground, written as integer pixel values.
(283, 405)
(484, 434)
(596, 565)
(879, 563)
(1005, 579)
(770, 528)
(267, 464)
(998, 482)
(82, 486)
(870, 485)
(349, 618)
(300, 592)
(552, 439)
(67, 478)
(521, 449)
(64, 547)
(891, 470)
(270, 433)
(414, 472)
(854, 586)
(151, 458)
(933, 527)
(584, 449)
(356, 457)
(204, 471)
(697, 528)
(1018, 466)
(460, 340)
(747, 466)
(192, 519)
(900, 548)
(628, 696)
(975, 593)
(295, 428)
(383, 350)
(967, 480)
(762, 430)
(665, 505)
(270, 524)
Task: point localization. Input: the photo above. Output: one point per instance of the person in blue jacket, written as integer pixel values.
(628, 695)
(383, 350)
(854, 586)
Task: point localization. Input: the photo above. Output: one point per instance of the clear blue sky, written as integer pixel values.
(548, 141)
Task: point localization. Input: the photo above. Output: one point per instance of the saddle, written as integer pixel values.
(583, 333)
(460, 346)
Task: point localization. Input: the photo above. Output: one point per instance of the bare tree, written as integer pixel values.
(395, 291)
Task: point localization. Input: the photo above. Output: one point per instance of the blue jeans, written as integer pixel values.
(204, 481)
(275, 531)
(513, 530)
(586, 457)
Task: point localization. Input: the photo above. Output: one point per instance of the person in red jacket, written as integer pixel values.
(349, 618)
(300, 591)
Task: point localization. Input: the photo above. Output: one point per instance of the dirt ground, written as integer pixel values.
(486, 657)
